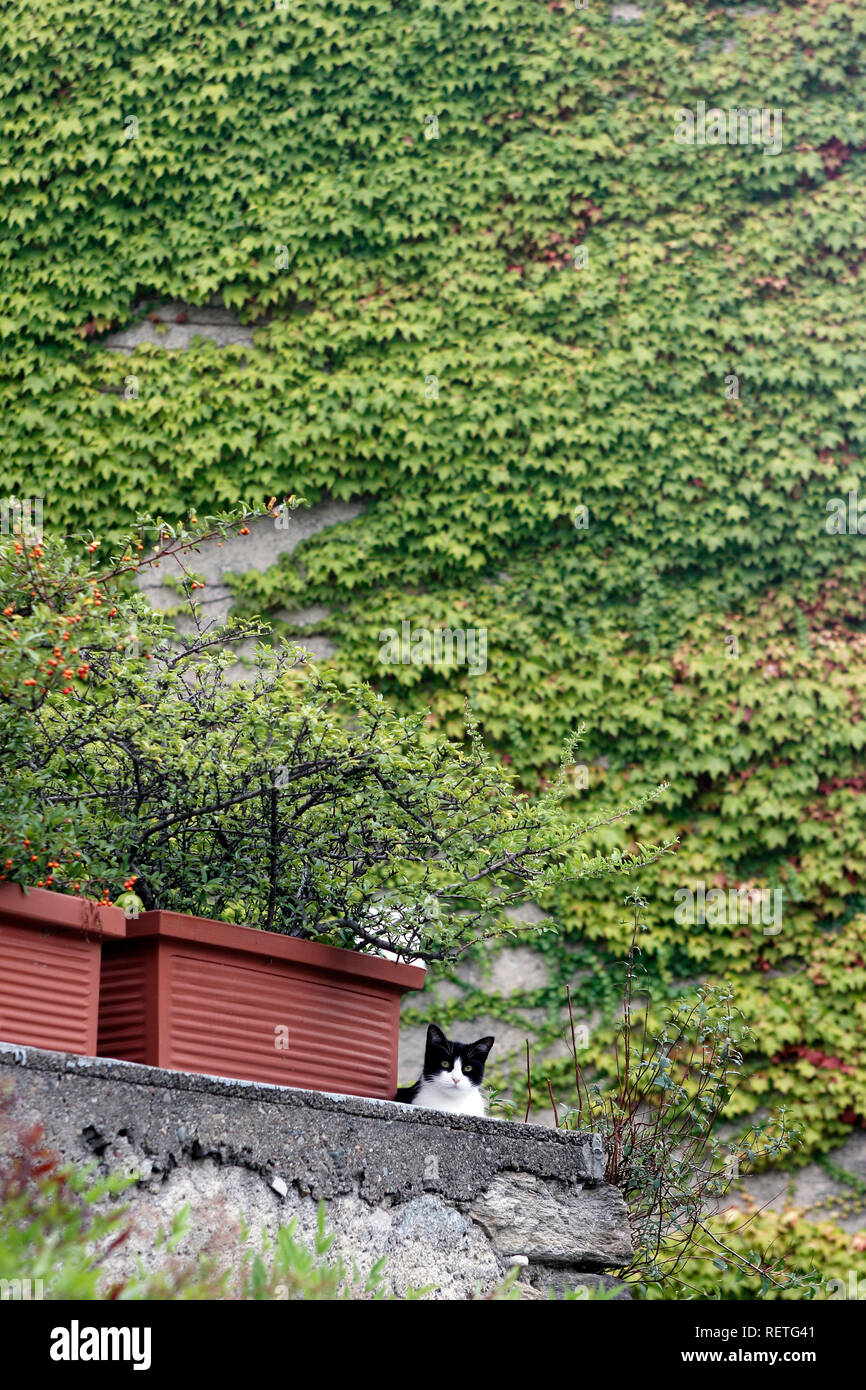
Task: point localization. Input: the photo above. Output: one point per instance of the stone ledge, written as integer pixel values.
(140, 1097)
(448, 1199)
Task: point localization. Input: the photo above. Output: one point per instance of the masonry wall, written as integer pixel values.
(450, 1200)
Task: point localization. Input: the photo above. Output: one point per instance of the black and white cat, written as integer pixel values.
(452, 1076)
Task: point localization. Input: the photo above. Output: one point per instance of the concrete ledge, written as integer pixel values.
(448, 1199)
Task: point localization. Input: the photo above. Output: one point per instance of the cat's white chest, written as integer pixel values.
(460, 1103)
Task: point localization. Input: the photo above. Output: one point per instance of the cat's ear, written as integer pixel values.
(481, 1047)
(436, 1037)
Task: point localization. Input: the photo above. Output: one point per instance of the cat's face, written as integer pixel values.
(454, 1068)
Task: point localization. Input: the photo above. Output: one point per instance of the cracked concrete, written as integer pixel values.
(449, 1200)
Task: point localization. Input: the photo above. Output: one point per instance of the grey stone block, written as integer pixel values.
(301, 617)
(559, 1281)
(512, 969)
(554, 1222)
(264, 545)
(626, 14)
(176, 327)
(810, 1189)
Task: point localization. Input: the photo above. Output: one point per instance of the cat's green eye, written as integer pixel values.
(445, 1066)
(467, 1070)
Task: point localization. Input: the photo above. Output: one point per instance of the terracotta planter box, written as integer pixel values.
(49, 967)
(193, 995)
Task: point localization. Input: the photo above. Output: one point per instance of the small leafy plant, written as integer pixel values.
(659, 1119)
(55, 1230)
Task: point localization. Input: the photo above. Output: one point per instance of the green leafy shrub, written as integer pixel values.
(59, 605)
(286, 802)
(774, 1255)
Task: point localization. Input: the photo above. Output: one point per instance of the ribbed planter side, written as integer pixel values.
(49, 967)
(193, 995)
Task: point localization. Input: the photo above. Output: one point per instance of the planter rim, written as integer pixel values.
(45, 907)
(182, 926)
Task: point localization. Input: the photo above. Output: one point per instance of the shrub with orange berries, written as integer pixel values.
(55, 647)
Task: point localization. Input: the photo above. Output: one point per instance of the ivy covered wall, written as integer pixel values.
(595, 387)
